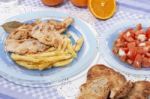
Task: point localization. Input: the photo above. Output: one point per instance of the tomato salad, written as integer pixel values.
(133, 47)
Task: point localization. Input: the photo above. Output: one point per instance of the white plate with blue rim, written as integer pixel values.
(106, 45)
(19, 75)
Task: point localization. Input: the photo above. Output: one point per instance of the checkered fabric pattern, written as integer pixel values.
(68, 90)
(119, 16)
(33, 93)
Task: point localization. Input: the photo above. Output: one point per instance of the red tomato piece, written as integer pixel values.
(121, 44)
(131, 44)
(129, 61)
(128, 38)
(148, 32)
(125, 49)
(138, 61)
(146, 62)
(120, 38)
(147, 43)
(132, 32)
(139, 32)
(141, 37)
(123, 58)
(148, 55)
(141, 50)
(132, 53)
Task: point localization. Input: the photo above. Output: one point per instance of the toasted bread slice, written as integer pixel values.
(120, 86)
(105, 83)
(124, 91)
(95, 89)
(102, 70)
(140, 90)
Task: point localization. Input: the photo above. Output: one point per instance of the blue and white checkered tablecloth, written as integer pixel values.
(127, 10)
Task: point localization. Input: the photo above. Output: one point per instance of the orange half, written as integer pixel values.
(102, 9)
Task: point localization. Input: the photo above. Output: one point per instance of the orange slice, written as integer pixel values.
(102, 9)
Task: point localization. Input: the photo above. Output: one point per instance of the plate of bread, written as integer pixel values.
(104, 82)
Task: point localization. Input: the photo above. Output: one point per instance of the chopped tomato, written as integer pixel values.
(148, 55)
(148, 32)
(132, 33)
(131, 44)
(123, 58)
(139, 32)
(147, 43)
(129, 61)
(141, 50)
(124, 49)
(121, 44)
(141, 37)
(132, 53)
(138, 61)
(128, 38)
(146, 62)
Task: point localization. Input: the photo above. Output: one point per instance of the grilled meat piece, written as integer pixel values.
(49, 33)
(25, 46)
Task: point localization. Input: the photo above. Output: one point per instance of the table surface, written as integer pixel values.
(129, 10)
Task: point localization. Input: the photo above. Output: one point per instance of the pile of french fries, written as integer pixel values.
(53, 57)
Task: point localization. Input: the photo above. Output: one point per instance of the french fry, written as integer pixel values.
(51, 49)
(70, 48)
(44, 57)
(79, 44)
(18, 57)
(56, 58)
(47, 54)
(62, 63)
(27, 65)
(44, 66)
(64, 45)
(30, 65)
(60, 46)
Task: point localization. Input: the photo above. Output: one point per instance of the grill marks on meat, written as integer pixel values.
(20, 42)
(21, 33)
(25, 46)
(37, 37)
(49, 33)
